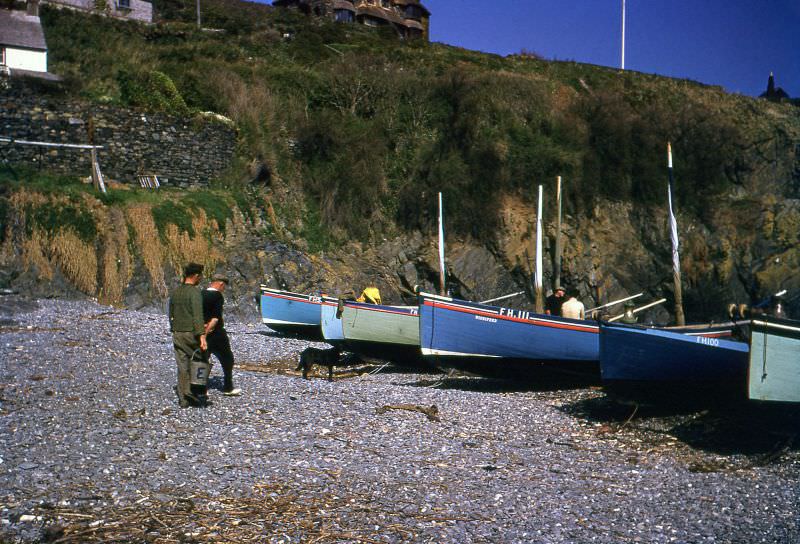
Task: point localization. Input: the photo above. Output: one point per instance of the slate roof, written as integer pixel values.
(18, 29)
(343, 4)
(379, 13)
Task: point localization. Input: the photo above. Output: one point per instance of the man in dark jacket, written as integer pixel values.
(216, 335)
(553, 302)
(188, 331)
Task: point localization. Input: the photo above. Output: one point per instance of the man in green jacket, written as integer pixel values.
(188, 332)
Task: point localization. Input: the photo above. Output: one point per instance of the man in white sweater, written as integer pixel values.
(573, 307)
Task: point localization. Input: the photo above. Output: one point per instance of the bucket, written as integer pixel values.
(198, 372)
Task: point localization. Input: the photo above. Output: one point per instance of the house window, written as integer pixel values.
(413, 12)
(2, 56)
(124, 4)
(344, 16)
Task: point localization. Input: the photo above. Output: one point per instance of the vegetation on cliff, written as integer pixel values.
(353, 132)
(367, 127)
(52, 222)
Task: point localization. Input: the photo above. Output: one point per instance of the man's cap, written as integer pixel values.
(191, 269)
(220, 277)
(559, 288)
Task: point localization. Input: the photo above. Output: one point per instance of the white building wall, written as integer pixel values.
(139, 10)
(26, 59)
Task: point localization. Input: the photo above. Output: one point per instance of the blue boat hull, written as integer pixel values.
(291, 313)
(505, 343)
(638, 360)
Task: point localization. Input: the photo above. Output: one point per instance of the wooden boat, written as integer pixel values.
(640, 361)
(507, 343)
(331, 322)
(294, 313)
(774, 366)
(381, 331)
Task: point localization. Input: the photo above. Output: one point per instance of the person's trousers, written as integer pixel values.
(187, 346)
(220, 346)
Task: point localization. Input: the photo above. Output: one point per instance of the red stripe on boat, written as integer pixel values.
(497, 315)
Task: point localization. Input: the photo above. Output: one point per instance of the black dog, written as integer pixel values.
(315, 356)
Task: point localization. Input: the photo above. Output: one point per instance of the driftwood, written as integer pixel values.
(431, 411)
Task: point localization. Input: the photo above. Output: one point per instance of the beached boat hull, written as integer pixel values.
(505, 343)
(292, 313)
(774, 369)
(640, 361)
(383, 332)
(330, 324)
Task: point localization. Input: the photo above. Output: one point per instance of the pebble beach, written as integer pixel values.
(94, 448)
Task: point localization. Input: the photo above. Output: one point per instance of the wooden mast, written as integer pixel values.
(442, 286)
(673, 233)
(557, 256)
(538, 271)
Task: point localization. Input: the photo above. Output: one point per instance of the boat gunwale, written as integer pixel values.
(665, 334)
(476, 308)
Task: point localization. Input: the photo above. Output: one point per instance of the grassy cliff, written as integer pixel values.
(366, 127)
(351, 133)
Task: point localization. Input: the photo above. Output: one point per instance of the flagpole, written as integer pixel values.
(622, 64)
(557, 260)
(443, 287)
(673, 233)
(538, 271)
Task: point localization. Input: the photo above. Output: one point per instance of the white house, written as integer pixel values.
(22, 45)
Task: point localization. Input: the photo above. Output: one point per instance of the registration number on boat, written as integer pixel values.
(708, 341)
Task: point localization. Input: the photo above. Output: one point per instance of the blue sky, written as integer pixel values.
(732, 43)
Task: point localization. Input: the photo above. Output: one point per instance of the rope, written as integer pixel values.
(384, 365)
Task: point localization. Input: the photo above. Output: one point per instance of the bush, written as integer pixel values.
(343, 158)
(171, 212)
(214, 204)
(152, 90)
(56, 217)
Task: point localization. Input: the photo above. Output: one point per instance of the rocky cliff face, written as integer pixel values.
(742, 248)
(748, 249)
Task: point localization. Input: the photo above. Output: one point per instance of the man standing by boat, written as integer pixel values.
(553, 303)
(216, 335)
(188, 332)
(573, 307)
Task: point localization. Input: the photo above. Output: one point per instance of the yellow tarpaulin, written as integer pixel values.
(371, 295)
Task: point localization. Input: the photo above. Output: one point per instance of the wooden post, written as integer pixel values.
(97, 176)
(92, 152)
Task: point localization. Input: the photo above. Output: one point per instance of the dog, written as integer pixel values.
(315, 356)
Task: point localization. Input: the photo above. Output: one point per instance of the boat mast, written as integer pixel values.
(557, 258)
(673, 234)
(443, 288)
(538, 271)
(622, 61)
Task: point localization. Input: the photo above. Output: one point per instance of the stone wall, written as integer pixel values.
(180, 151)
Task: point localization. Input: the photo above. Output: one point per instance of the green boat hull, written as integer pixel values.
(774, 360)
